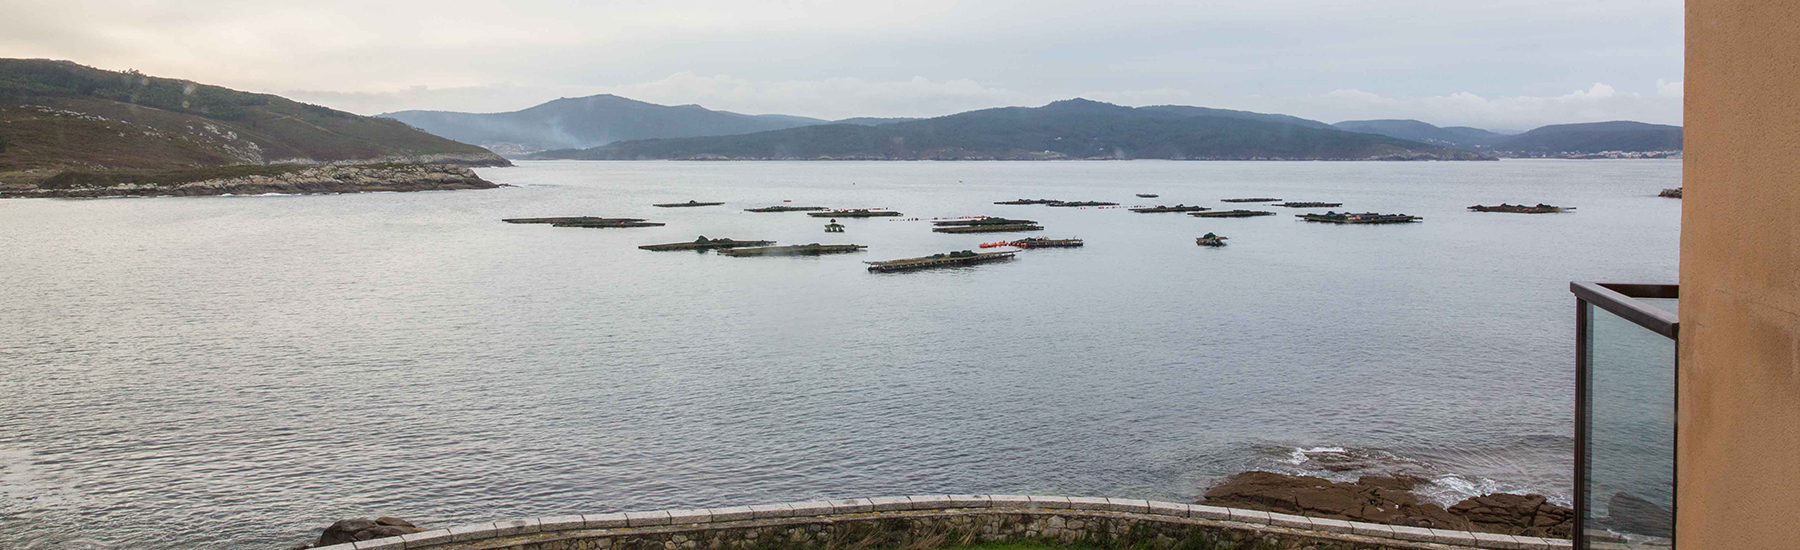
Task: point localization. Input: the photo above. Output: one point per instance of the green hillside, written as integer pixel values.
(1069, 129)
(58, 115)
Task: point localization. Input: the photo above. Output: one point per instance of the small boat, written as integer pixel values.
(834, 227)
(685, 204)
(1210, 239)
(1148, 195)
(1674, 193)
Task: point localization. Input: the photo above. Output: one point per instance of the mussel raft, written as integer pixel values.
(1231, 214)
(1040, 242)
(786, 209)
(1365, 217)
(964, 257)
(685, 204)
(1251, 199)
(586, 221)
(1310, 204)
(704, 243)
(1541, 208)
(813, 249)
(1177, 208)
(853, 213)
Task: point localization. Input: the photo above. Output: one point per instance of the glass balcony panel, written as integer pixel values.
(1630, 470)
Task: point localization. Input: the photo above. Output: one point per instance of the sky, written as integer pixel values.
(1503, 64)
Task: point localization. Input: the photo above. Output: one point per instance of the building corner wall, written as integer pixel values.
(1739, 478)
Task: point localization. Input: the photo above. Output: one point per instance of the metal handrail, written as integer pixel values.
(1622, 300)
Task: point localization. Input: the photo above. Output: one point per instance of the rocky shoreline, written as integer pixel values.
(288, 180)
(1390, 500)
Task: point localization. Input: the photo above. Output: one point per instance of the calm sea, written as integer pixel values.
(239, 372)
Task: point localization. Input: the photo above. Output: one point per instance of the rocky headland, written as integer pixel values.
(252, 180)
(1390, 500)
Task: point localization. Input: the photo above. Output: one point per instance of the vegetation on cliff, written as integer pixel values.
(57, 116)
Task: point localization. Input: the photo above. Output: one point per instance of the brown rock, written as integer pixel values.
(1389, 499)
(352, 530)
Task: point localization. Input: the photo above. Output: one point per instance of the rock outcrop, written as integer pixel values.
(1383, 499)
(352, 530)
(296, 180)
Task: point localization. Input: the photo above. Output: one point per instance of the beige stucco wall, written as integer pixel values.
(1739, 445)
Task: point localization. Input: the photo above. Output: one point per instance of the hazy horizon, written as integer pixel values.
(1509, 64)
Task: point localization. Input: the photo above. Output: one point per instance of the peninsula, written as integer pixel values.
(68, 130)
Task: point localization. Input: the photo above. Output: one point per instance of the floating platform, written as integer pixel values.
(1366, 217)
(787, 209)
(854, 213)
(704, 243)
(989, 228)
(981, 221)
(1177, 208)
(587, 221)
(1251, 199)
(1069, 204)
(1040, 242)
(1541, 208)
(1148, 195)
(813, 249)
(685, 204)
(966, 257)
(1030, 201)
(1310, 204)
(1232, 214)
(1210, 239)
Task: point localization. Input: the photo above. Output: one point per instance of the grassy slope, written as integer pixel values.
(201, 125)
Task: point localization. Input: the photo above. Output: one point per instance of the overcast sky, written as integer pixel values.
(1510, 64)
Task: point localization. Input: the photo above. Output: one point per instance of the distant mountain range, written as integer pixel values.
(557, 128)
(1069, 129)
(1560, 139)
(588, 122)
(1461, 137)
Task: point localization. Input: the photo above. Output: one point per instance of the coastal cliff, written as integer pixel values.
(252, 180)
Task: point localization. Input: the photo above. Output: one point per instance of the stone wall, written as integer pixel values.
(922, 522)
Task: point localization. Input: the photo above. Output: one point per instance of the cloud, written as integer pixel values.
(1669, 89)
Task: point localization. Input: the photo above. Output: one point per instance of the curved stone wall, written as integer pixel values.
(944, 520)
